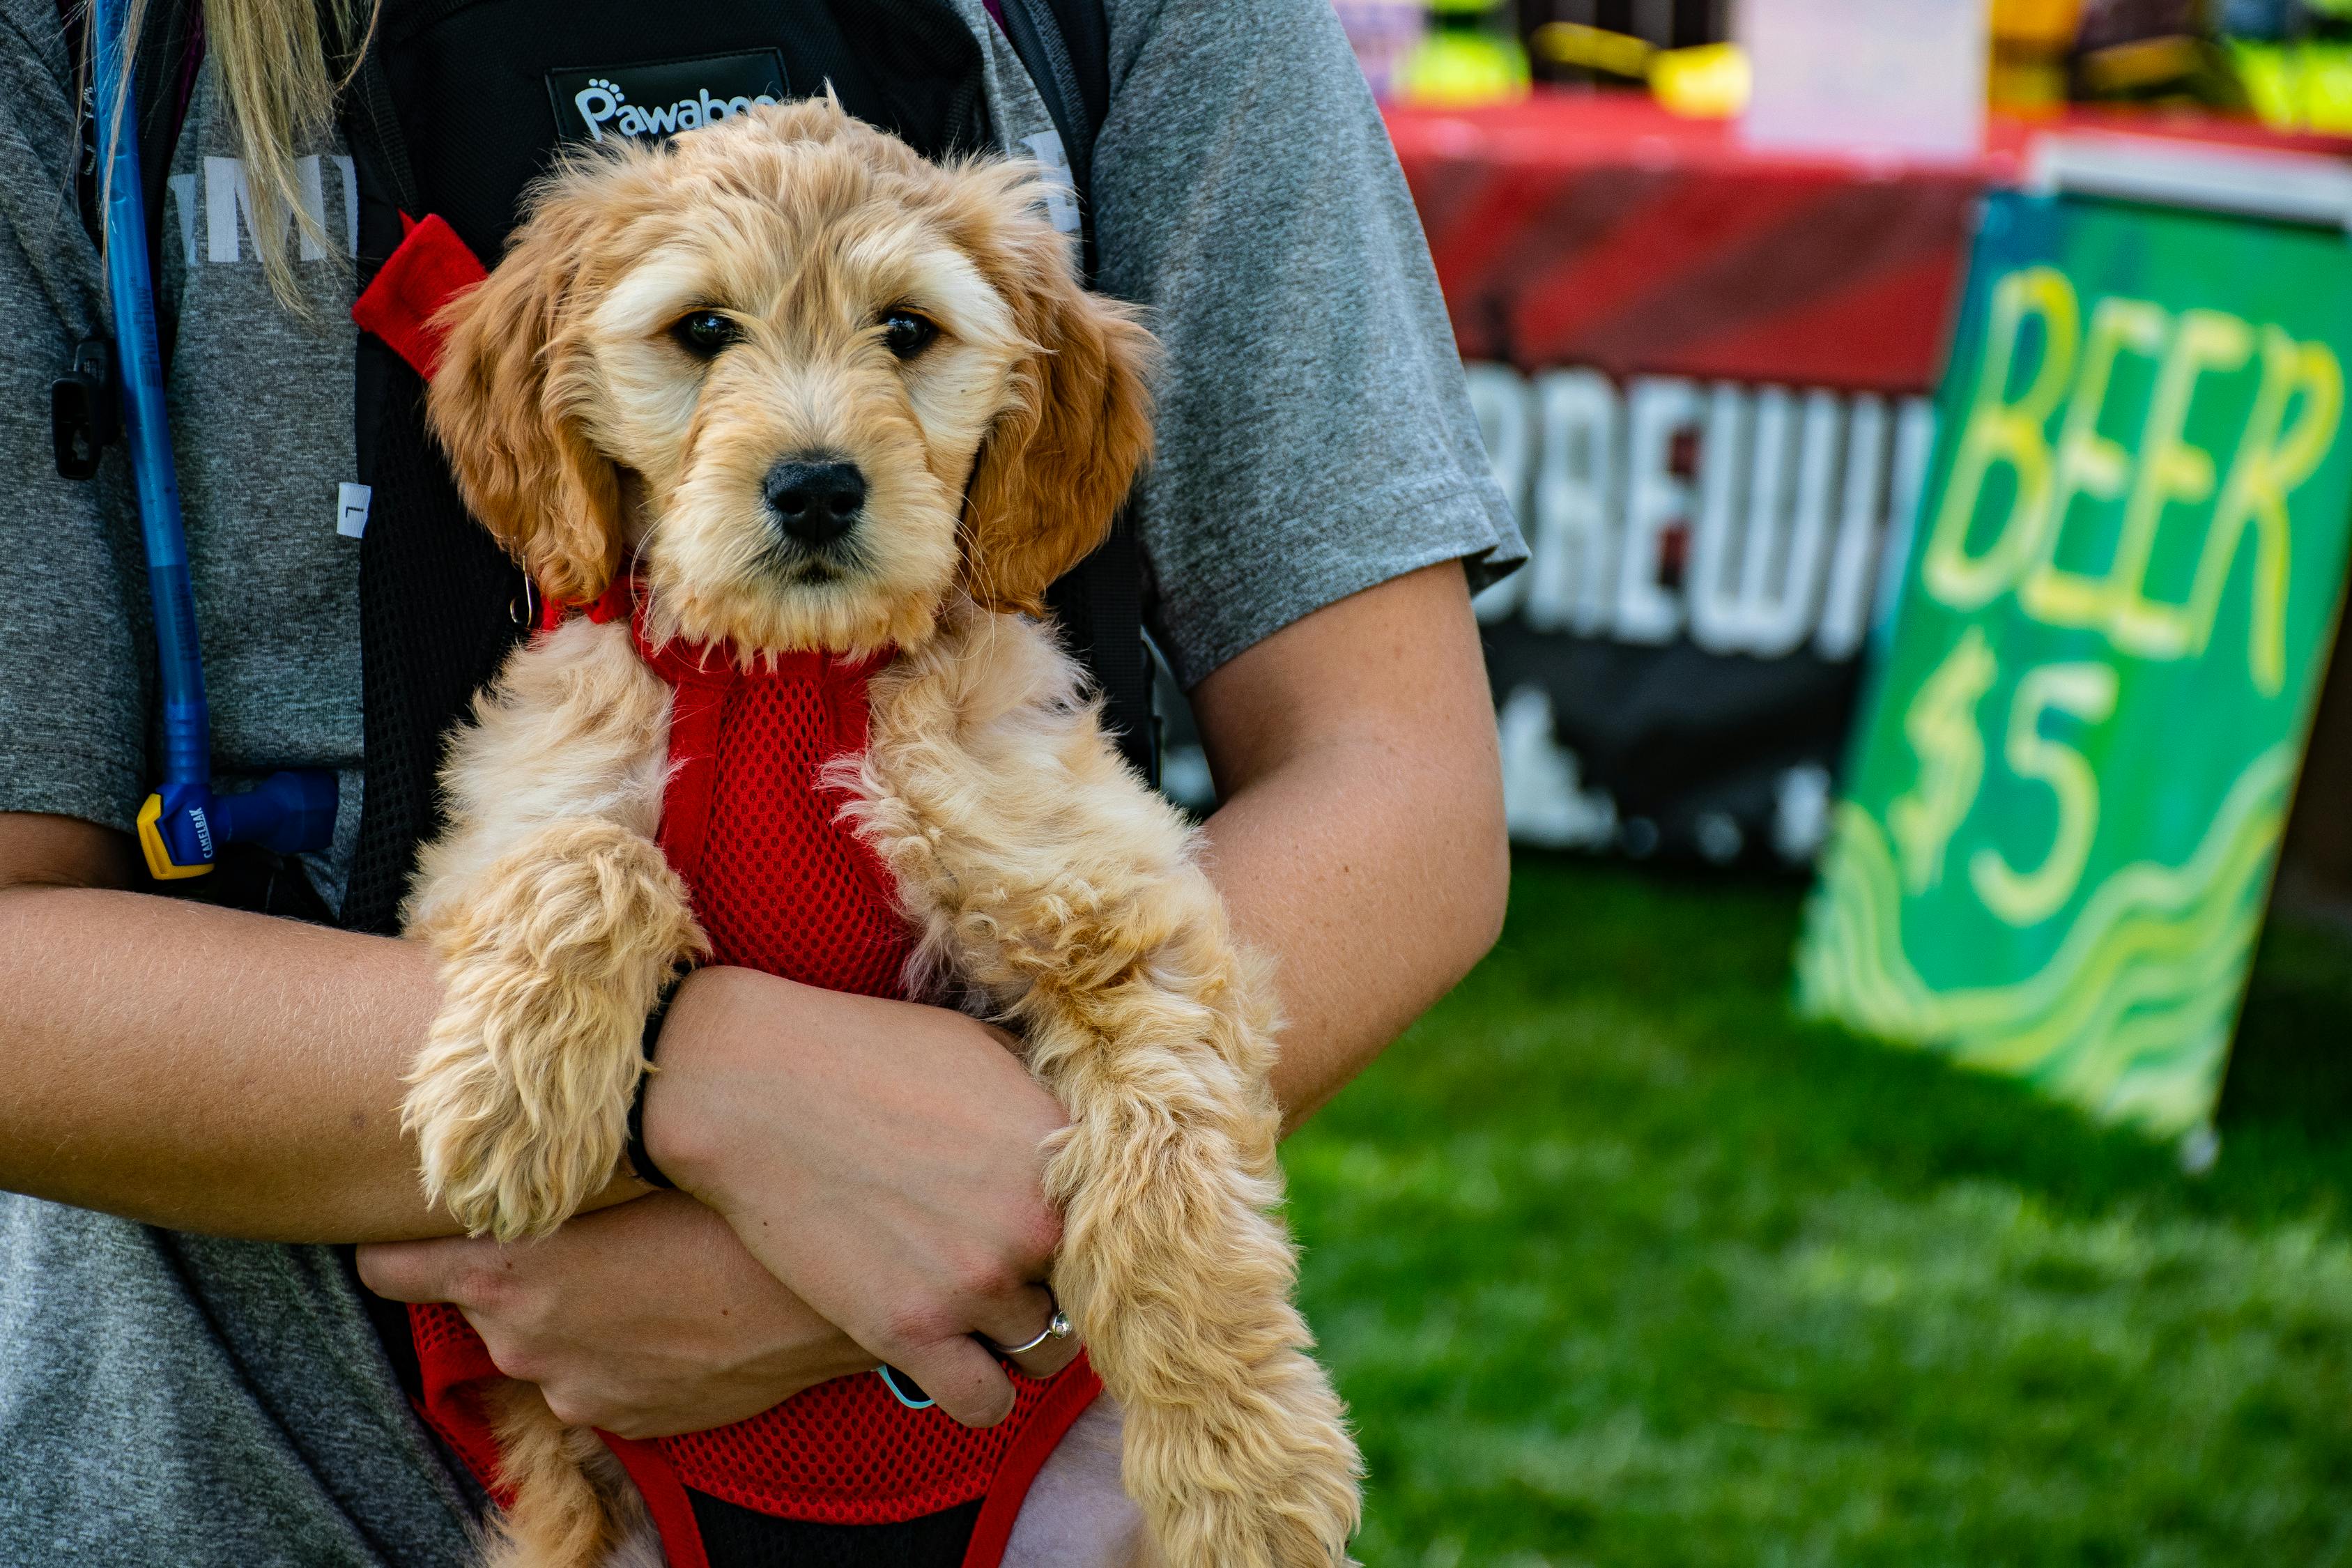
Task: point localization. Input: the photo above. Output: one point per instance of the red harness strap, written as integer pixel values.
(430, 267)
(779, 884)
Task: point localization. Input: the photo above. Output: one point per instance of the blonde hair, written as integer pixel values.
(271, 57)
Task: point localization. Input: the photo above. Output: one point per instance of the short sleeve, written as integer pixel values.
(1315, 435)
(73, 682)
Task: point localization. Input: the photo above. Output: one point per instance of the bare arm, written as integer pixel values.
(199, 1068)
(1361, 841)
(228, 1073)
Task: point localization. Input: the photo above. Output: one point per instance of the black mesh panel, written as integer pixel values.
(440, 605)
(739, 1538)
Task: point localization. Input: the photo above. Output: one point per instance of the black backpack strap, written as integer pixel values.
(1065, 46)
(441, 605)
(1100, 605)
(373, 132)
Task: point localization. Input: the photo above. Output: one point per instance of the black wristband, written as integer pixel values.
(640, 1164)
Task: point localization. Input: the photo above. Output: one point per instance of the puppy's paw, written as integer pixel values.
(519, 1099)
(1266, 1479)
(1315, 1504)
(494, 1167)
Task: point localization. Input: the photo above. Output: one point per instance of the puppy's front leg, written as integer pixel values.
(556, 920)
(1046, 877)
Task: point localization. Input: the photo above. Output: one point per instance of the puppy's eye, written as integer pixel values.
(704, 332)
(907, 333)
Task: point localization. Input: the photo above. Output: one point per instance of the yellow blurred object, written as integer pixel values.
(1592, 48)
(2037, 24)
(1706, 81)
(1461, 69)
(2142, 63)
(2305, 86)
(2026, 86)
(1709, 81)
(2030, 41)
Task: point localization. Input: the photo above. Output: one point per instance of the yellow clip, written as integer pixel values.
(150, 843)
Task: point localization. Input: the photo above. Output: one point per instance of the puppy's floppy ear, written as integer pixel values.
(1055, 468)
(507, 403)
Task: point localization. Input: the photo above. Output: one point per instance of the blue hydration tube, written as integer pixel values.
(183, 826)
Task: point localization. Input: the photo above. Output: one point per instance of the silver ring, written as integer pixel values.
(1058, 1327)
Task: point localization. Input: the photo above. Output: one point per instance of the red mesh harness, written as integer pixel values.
(779, 884)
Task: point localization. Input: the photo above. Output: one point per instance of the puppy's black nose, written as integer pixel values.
(816, 502)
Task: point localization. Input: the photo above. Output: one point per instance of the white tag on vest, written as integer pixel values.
(351, 509)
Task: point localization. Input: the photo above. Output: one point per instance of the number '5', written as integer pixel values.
(2084, 691)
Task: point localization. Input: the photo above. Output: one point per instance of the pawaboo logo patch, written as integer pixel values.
(660, 99)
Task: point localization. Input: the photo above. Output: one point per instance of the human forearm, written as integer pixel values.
(1367, 920)
(199, 1068)
(1360, 843)
(208, 1069)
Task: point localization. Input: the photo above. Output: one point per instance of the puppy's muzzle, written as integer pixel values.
(814, 503)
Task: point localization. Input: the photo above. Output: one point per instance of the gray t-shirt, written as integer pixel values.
(260, 406)
(175, 1400)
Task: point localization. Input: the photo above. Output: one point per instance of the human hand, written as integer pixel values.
(885, 1159)
(644, 1318)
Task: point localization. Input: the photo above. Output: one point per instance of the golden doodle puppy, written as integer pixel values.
(806, 392)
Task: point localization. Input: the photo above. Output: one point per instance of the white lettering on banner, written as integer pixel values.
(1573, 485)
(1776, 538)
(1801, 812)
(1845, 596)
(1656, 500)
(1568, 517)
(1755, 574)
(1544, 800)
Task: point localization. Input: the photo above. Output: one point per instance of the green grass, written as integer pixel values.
(1619, 1264)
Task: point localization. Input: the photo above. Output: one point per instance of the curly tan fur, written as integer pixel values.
(1039, 871)
(556, 920)
(573, 1503)
(1042, 878)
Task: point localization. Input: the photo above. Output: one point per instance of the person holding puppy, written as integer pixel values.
(200, 1103)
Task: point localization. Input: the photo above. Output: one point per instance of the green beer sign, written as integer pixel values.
(2085, 723)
